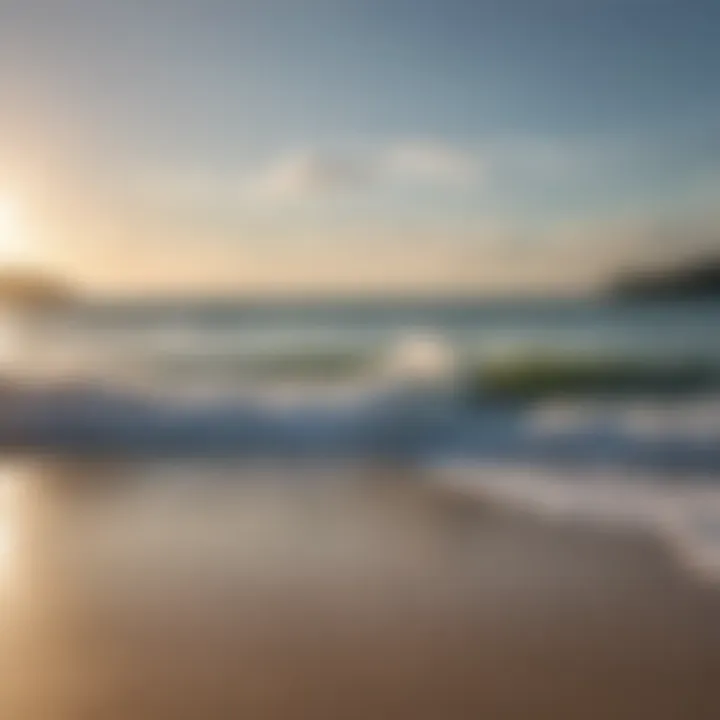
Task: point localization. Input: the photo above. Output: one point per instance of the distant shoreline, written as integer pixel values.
(697, 280)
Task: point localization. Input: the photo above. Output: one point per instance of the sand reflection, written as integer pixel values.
(194, 590)
(10, 491)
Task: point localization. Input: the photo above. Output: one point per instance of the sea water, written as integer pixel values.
(650, 463)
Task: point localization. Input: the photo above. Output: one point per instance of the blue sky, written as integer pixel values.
(366, 142)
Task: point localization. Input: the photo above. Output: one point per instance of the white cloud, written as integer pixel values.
(307, 175)
(431, 162)
(311, 174)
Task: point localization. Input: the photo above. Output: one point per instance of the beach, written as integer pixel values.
(359, 360)
(208, 590)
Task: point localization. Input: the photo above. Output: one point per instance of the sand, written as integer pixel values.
(158, 592)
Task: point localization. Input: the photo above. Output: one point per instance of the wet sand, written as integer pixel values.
(219, 592)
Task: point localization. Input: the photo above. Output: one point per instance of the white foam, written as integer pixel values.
(419, 358)
(685, 512)
(693, 419)
(690, 523)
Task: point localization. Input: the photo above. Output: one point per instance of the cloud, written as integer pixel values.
(503, 164)
(312, 174)
(307, 175)
(513, 173)
(431, 162)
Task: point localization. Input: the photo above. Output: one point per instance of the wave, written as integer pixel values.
(641, 463)
(682, 510)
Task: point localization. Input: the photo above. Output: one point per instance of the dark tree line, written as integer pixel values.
(700, 278)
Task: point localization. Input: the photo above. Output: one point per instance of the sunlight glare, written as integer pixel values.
(9, 502)
(13, 247)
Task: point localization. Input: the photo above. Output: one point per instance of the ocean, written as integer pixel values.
(277, 380)
(225, 333)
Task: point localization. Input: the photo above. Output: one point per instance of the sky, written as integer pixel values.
(359, 145)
